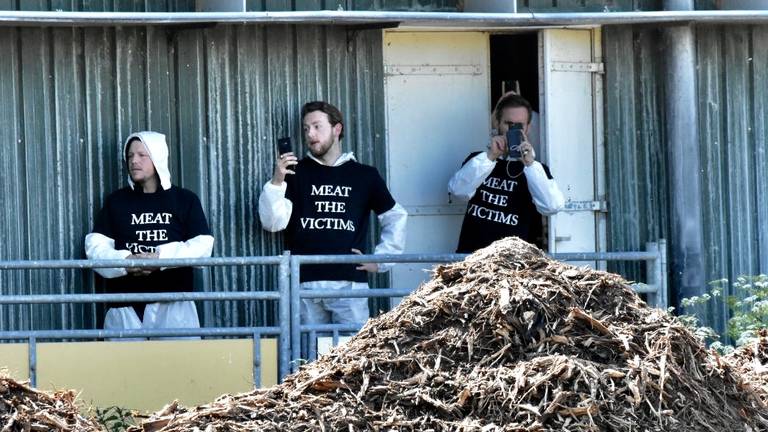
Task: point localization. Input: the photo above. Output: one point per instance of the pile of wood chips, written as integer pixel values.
(510, 340)
(22, 408)
(751, 364)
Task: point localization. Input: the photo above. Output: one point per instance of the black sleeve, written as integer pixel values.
(380, 200)
(103, 222)
(471, 155)
(196, 223)
(546, 171)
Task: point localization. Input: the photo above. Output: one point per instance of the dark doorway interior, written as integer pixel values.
(515, 58)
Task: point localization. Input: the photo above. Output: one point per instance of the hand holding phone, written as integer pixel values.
(514, 139)
(284, 162)
(284, 145)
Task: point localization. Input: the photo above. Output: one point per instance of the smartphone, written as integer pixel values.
(514, 139)
(284, 145)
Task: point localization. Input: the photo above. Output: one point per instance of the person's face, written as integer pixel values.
(513, 115)
(140, 164)
(319, 135)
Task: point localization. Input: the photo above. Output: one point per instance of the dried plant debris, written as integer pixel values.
(23, 408)
(751, 364)
(507, 340)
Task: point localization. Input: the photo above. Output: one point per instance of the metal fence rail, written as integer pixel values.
(289, 294)
(282, 331)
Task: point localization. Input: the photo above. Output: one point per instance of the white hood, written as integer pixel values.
(158, 152)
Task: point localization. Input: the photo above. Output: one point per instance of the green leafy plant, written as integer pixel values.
(691, 319)
(747, 306)
(115, 419)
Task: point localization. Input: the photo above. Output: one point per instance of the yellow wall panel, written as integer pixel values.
(13, 360)
(146, 375)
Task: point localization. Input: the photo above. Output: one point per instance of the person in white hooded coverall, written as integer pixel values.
(149, 219)
(324, 202)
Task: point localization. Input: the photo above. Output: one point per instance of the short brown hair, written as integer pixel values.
(333, 113)
(511, 100)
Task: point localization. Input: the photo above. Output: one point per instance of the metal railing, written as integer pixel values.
(289, 294)
(282, 330)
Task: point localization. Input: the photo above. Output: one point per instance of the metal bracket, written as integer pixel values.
(578, 67)
(393, 70)
(354, 29)
(591, 206)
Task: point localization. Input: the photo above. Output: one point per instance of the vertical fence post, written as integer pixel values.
(32, 361)
(651, 273)
(662, 274)
(295, 312)
(257, 359)
(284, 318)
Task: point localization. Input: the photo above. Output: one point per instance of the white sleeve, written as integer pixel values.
(546, 195)
(274, 208)
(99, 246)
(197, 247)
(465, 182)
(393, 223)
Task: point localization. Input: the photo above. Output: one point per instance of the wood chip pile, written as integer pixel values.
(751, 363)
(24, 408)
(510, 340)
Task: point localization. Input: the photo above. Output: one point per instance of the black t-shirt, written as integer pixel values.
(501, 207)
(140, 222)
(331, 208)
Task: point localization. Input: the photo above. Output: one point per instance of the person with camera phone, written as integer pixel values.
(507, 189)
(323, 201)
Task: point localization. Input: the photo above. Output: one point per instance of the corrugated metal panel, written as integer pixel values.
(587, 5)
(361, 5)
(221, 95)
(636, 157)
(100, 5)
(251, 5)
(732, 65)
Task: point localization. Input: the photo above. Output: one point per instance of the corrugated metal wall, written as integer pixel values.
(251, 5)
(732, 69)
(222, 95)
(635, 152)
(100, 5)
(362, 5)
(587, 5)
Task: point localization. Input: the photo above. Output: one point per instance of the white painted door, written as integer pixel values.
(437, 112)
(571, 111)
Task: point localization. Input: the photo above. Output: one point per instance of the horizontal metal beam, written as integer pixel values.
(439, 258)
(383, 258)
(138, 297)
(403, 19)
(303, 259)
(606, 256)
(331, 327)
(123, 263)
(355, 293)
(104, 334)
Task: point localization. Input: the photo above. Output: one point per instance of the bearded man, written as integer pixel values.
(323, 201)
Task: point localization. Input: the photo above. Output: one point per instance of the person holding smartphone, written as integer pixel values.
(151, 219)
(323, 202)
(507, 189)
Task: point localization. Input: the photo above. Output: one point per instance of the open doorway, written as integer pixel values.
(515, 59)
(514, 64)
